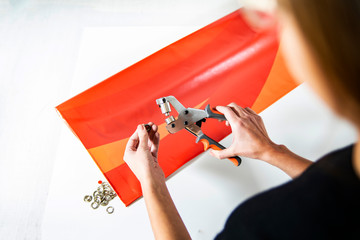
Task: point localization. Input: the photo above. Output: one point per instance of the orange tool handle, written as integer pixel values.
(210, 143)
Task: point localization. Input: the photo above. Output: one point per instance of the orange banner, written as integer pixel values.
(223, 62)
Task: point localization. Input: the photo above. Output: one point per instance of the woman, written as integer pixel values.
(320, 40)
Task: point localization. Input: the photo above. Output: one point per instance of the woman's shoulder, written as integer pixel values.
(337, 156)
(335, 166)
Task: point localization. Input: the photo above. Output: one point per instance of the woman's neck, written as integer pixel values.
(356, 156)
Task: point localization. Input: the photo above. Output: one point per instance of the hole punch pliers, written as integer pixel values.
(191, 119)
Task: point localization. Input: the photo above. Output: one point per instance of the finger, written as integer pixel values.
(133, 142)
(229, 113)
(253, 117)
(262, 125)
(257, 120)
(154, 129)
(143, 136)
(151, 133)
(255, 123)
(221, 154)
(155, 145)
(239, 110)
(250, 110)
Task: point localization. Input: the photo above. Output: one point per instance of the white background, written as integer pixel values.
(50, 50)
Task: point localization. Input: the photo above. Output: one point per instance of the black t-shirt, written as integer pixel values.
(322, 203)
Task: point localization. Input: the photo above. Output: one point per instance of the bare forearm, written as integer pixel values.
(292, 164)
(165, 219)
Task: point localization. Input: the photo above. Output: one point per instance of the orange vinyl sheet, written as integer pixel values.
(223, 62)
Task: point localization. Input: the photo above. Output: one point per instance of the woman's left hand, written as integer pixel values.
(141, 155)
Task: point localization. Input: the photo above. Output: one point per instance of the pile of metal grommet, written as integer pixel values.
(101, 197)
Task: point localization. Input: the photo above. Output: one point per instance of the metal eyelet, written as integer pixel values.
(95, 193)
(102, 196)
(110, 210)
(100, 189)
(87, 198)
(95, 205)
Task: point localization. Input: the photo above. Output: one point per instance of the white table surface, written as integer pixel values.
(50, 51)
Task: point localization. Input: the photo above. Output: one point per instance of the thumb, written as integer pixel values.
(143, 137)
(221, 154)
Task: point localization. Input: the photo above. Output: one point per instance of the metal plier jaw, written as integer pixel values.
(191, 120)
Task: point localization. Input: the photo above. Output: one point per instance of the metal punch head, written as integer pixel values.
(164, 105)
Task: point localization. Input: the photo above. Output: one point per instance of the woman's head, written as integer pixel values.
(321, 41)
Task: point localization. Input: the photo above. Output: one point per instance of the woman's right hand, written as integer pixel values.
(250, 138)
